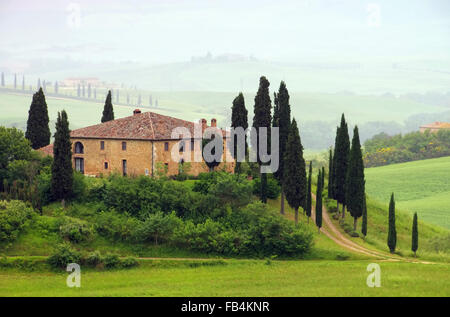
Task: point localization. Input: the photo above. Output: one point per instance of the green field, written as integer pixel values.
(236, 278)
(195, 105)
(420, 186)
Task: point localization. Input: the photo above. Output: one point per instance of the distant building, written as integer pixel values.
(75, 81)
(435, 127)
(136, 145)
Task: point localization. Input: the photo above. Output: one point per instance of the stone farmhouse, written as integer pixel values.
(140, 144)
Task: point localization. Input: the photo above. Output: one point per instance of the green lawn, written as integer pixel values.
(237, 278)
(420, 186)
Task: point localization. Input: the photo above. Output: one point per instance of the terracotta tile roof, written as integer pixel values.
(140, 126)
(46, 150)
(437, 125)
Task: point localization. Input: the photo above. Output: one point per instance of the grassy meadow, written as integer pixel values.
(420, 186)
(236, 278)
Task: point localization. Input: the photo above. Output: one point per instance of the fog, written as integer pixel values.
(63, 38)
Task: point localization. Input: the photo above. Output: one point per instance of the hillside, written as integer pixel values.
(420, 186)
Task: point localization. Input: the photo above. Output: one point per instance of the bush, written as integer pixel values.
(13, 216)
(273, 188)
(111, 260)
(158, 227)
(129, 262)
(75, 230)
(63, 255)
(117, 227)
(94, 258)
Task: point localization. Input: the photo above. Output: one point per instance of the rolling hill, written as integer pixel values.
(420, 186)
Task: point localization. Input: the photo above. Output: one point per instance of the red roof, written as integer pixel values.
(140, 126)
(46, 150)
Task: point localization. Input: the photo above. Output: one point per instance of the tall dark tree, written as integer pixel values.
(95, 93)
(392, 232)
(108, 112)
(79, 90)
(139, 100)
(342, 151)
(62, 172)
(308, 193)
(89, 91)
(319, 201)
(3, 79)
(156, 103)
(415, 235)
(330, 175)
(117, 96)
(239, 118)
(23, 82)
(323, 177)
(38, 131)
(364, 218)
(15, 81)
(294, 178)
(56, 87)
(355, 180)
(282, 120)
(150, 101)
(128, 99)
(83, 91)
(262, 119)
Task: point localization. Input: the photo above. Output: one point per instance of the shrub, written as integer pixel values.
(94, 258)
(158, 227)
(13, 216)
(273, 188)
(75, 230)
(111, 260)
(115, 226)
(63, 255)
(129, 262)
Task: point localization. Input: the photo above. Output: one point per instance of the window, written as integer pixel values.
(124, 167)
(102, 145)
(79, 148)
(181, 146)
(79, 164)
(146, 172)
(106, 165)
(166, 146)
(192, 145)
(124, 146)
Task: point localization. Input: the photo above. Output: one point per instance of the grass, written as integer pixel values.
(236, 278)
(419, 186)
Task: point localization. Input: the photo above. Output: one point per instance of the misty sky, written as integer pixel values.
(167, 31)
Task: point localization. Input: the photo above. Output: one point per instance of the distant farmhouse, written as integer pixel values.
(138, 145)
(72, 82)
(435, 127)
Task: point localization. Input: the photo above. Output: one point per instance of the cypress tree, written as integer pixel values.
(15, 81)
(294, 177)
(56, 87)
(83, 91)
(342, 150)
(79, 91)
(156, 103)
(415, 235)
(95, 93)
(262, 119)
(62, 172)
(108, 112)
(23, 82)
(319, 201)
(330, 175)
(308, 194)
(364, 218)
(89, 90)
(355, 180)
(3, 79)
(38, 131)
(392, 233)
(282, 120)
(150, 101)
(239, 118)
(323, 177)
(117, 96)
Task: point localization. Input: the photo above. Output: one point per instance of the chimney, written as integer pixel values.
(213, 122)
(203, 122)
(136, 111)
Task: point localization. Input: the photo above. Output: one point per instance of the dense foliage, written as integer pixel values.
(13, 216)
(383, 149)
(108, 112)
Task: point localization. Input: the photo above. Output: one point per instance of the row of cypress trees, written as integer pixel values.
(346, 182)
(291, 173)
